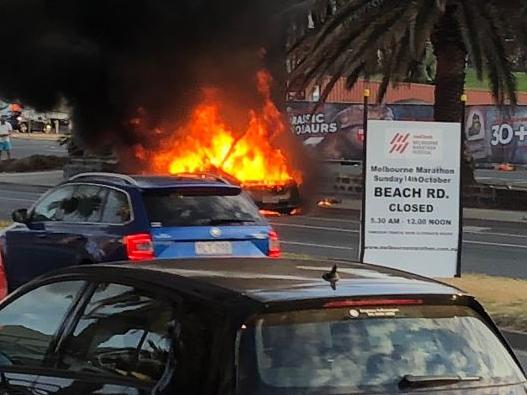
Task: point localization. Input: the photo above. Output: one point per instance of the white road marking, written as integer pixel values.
(8, 192)
(498, 234)
(18, 200)
(474, 229)
(342, 230)
(326, 228)
(486, 243)
(480, 231)
(347, 221)
(317, 245)
(350, 248)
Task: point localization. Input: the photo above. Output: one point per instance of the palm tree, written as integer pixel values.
(354, 38)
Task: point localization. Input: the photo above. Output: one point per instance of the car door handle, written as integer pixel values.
(42, 235)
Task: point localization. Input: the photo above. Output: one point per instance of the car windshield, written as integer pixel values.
(344, 351)
(200, 208)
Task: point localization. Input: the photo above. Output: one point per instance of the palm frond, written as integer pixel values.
(470, 32)
(346, 36)
(493, 32)
(364, 40)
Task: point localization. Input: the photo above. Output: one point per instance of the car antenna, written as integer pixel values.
(332, 277)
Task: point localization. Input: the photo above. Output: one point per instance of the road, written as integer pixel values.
(13, 197)
(522, 356)
(492, 248)
(25, 147)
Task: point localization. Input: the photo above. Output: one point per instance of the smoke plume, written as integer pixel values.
(113, 60)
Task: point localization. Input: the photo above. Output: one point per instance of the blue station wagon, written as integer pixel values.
(104, 217)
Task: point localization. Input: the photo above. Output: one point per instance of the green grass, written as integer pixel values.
(504, 298)
(471, 81)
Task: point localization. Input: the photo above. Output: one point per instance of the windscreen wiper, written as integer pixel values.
(411, 381)
(221, 221)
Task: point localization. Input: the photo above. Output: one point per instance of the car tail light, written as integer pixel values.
(372, 302)
(274, 245)
(3, 279)
(139, 247)
(360, 136)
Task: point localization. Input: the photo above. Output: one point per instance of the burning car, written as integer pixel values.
(253, 157)
(284, 198)
(277, 198)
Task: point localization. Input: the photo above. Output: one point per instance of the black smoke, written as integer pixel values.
(113, 60)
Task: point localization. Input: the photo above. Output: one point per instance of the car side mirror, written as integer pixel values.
(20, 216)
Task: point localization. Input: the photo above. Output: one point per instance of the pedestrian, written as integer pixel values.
(5, 141)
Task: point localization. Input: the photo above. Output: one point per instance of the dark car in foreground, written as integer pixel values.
(106, 217)
(252, 327)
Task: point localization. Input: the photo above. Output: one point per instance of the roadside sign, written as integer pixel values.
(412, 211)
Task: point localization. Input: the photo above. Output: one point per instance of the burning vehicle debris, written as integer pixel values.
(282, 198)
(253, 156)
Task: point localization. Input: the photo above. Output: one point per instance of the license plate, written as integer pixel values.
(275, 198)
(213, 248)
(271, 199)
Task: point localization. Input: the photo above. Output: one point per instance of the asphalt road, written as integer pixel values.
(492, 248)
(24, 147)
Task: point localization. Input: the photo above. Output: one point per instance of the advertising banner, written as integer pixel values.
(333, 131)
(412, 196)
(497, 135)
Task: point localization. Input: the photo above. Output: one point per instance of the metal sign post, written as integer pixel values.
(364, 153)
(461, 160)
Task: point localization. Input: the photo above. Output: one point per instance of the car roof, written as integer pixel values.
(264, 280)
(183, 180)
(149, 182)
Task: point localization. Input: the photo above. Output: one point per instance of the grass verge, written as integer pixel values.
(505, 299)
(33, 163)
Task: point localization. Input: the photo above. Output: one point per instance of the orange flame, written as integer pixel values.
(206, 143)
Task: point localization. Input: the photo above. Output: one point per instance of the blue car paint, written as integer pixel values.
(248, 241)
(30, 250)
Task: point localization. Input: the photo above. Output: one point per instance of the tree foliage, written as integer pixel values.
(354, 38)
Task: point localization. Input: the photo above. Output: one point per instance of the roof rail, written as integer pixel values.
(118, 176)
(203, 175)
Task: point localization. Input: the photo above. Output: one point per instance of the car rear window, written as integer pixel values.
(343, 351)
(201, 207)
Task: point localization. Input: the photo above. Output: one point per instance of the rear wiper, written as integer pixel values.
(220, 221)
(410, 381)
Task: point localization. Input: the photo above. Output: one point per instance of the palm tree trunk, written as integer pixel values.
(451, 55)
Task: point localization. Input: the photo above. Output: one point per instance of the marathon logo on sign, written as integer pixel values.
(400, 144)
